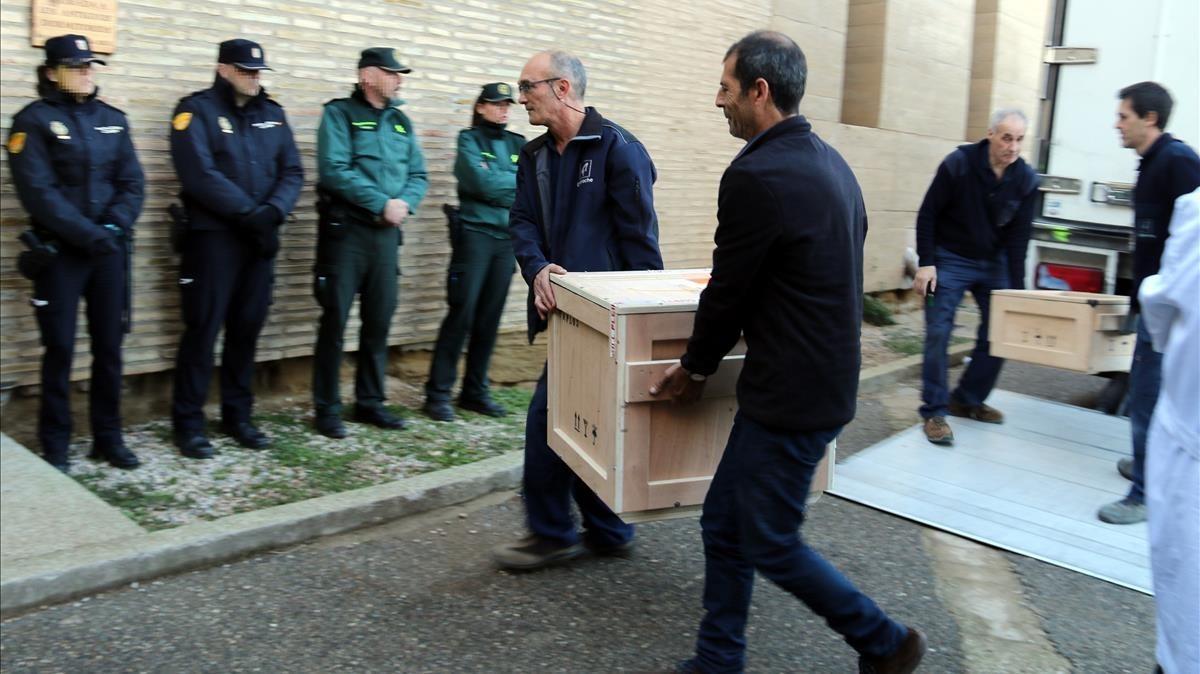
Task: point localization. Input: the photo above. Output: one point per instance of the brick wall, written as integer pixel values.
(653, 67)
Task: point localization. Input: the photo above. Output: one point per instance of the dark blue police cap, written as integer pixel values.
(70, 50)
(245, 54)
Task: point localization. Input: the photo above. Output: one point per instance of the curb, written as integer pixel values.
(64, 575)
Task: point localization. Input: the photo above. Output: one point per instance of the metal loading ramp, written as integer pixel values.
(1031, 485)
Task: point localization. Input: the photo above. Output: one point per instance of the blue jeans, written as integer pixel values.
(751, 521)
(550, 485)
(1145, 378)
(955, 276)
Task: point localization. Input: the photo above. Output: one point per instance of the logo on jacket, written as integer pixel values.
(266, 125)
(59, 129)
(181, 121)
(16, 142)
(109, 129)
(223, 122)
(585, 172)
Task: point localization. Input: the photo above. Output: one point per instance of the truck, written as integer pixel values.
(1083, 224)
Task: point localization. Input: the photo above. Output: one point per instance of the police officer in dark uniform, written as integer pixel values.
(241, 175)
(482, 263)
(77, 175)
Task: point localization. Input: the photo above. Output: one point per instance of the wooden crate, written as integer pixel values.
(612, 336)
(1064, 329)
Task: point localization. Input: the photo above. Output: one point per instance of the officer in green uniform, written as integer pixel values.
(372, 177)
(482, 263)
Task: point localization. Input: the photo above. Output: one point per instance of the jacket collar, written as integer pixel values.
(1157, 147)
(59, 97)
(592, 127)
(794, 124)
(361, 98)
(225, 91)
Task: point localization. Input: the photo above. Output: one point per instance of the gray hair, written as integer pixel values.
(569, 68)
(1003, 114)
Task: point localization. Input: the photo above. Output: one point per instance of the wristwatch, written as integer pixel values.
(696, 376)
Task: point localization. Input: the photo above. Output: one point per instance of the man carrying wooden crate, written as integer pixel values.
(973, 231)
(584, 203)
(788, 276)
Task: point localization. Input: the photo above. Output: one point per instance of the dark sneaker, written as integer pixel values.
(534, 552)
(117, 456)
(903, 661)
(486, 406)
(938, 431)
(439, 410)
(194, 445)
(377, 416)
(331, 426)
(988, 415)
(622, 550)
(1125, 468)
(246, 435)
(1125, 511)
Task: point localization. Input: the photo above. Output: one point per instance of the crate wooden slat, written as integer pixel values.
(613, 334)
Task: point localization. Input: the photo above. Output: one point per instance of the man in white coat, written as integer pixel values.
(1172, 316)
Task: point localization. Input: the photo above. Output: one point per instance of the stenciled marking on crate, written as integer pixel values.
(588, 430)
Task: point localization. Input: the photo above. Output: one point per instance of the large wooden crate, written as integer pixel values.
(1064, 329)
(612, 336)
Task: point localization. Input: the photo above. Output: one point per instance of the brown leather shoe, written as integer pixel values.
(938, 431)
(903, 661)
(988, 415)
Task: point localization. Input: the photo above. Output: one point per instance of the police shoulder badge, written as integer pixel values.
(181, 121)
(226, 126)
(59, 129)
(16, 142)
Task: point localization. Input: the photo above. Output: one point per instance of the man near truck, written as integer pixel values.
(973, 230)
(584, 203)
(1169, 170)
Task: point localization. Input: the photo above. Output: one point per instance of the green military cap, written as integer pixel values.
(384, 58)
(496, 92)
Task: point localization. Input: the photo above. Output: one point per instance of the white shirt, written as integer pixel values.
(1171, 310)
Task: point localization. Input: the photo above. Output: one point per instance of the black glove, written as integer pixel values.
(105, 244)
(261, 227)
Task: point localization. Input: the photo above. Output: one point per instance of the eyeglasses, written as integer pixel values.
(526, 87)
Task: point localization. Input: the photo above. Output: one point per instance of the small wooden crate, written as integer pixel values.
(1064, 329)
(612, 336)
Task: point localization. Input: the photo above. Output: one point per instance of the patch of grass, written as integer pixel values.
(875, 312)
(909, 345)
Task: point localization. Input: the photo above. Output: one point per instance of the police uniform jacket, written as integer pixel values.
(230, 160)
(486, 169)
(366, 156)
(75, 168)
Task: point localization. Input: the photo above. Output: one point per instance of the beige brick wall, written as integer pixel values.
(653, 67)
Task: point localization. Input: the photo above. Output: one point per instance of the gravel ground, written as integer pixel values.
(170, 490)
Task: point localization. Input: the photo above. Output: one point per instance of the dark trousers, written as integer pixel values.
(1145, 379)
(477, 282)
(955, 276)
(361, 260)
(751, 521)
(223, 281)
(101, 281)
(550, 486)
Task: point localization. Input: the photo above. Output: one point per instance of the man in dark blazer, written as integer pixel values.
(787, 274)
